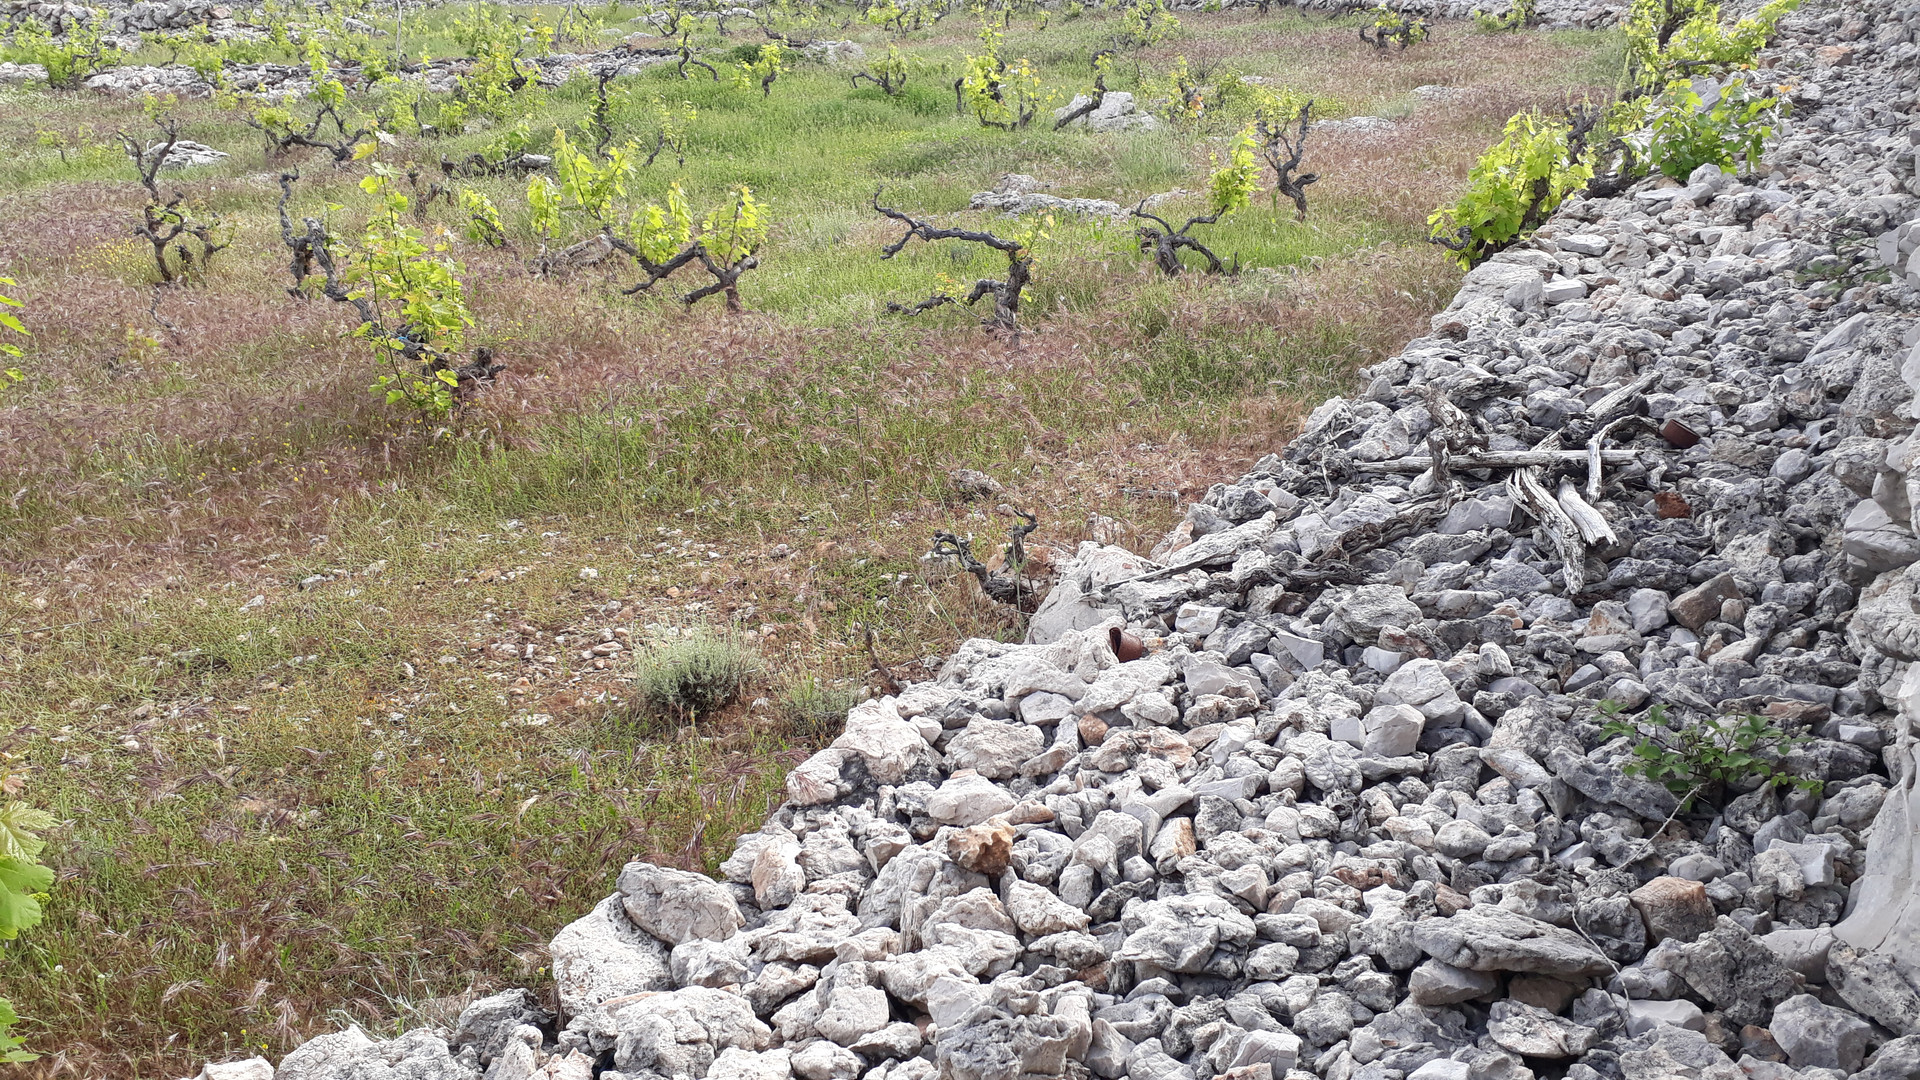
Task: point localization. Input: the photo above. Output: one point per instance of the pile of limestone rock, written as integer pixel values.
(152, 16)
(1321, 789)
(56, 16)
(120, 19)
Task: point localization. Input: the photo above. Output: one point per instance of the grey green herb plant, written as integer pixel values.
(687, 678)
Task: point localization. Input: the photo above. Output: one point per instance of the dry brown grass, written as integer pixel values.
(1308, 51)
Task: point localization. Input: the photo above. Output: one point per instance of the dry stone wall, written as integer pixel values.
(1319, 790)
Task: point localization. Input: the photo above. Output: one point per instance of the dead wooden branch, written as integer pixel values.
(1529, 492)
(1532, 496)
(1496, 459)
(1006, 294)
(1087, 107)
(1615, 401)
(1283, 153)
(1007, 587)
(1592, 526)
(1596, 453)
(169, 223)
(1165, 243)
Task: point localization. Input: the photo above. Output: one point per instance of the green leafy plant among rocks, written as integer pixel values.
(1692, 760)
(1681, 132)
(1679, 39)
(1661, 123)
(69, 57)
(1515, 185)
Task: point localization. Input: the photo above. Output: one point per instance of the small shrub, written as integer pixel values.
(1179, 91)
(902, 18)
(999, 93)
(688, 678)
(1147, 22)
(404, 284)
(1006, 294)
(815, 710)
(1519, 15)
(69, 58)
(412, 283)
(768, 62)
(168, 224)
(1681, 135)
(1701, 759)
(205, 57)
(82, 143)
(1232, 186)
(23, 888)
(667, 123)
(488, 29)
(1678, 39)
(660, 239)
(889, 73)
(353, 136)
(1282, 141)
(1393, 27)
(483, 219)
(1515, 185)
(10, 321)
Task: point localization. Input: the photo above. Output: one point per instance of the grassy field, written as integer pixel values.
(313, 688)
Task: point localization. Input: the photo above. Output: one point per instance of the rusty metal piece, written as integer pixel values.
(1679, 434)
(1666, 504)
(1125, 646)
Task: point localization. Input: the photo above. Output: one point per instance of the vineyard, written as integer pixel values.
(454, 450)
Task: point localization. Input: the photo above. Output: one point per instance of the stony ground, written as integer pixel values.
(1321, 789)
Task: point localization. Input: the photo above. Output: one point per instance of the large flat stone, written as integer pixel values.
(1493, 939)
